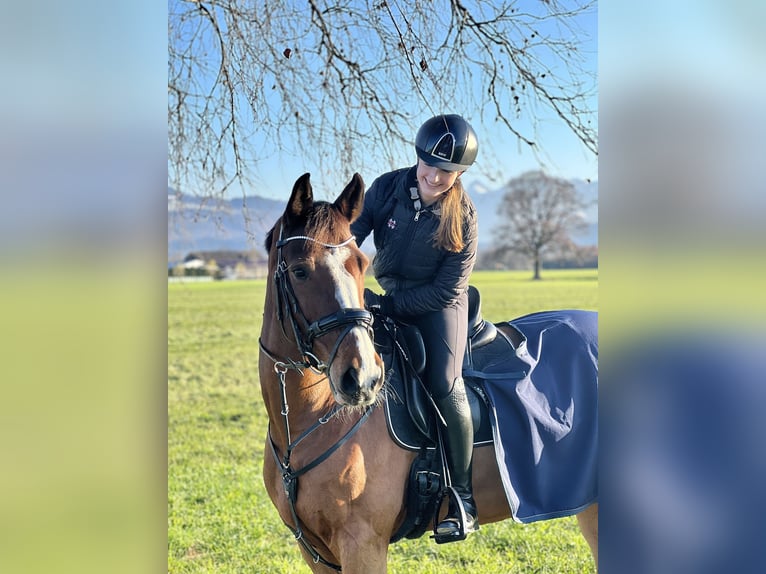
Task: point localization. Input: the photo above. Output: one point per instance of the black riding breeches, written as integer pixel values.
(445, 334)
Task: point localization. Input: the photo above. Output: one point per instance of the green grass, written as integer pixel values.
(220, 518)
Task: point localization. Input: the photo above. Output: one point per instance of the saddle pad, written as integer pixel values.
(545, 425)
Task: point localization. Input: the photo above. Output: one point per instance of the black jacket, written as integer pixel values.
(419, 276)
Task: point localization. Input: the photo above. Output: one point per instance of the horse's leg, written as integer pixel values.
(588, 521)
(315, 567)
(362, 550)
(355, 559)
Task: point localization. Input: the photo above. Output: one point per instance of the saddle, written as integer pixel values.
(533, 391)
(410, 411)
(409, 408)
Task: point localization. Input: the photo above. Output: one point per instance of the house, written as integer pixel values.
(223, 264)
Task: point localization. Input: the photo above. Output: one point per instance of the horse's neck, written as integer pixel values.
(307, 394)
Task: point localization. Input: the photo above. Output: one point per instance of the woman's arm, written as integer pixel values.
(448, 283)
(362, 225)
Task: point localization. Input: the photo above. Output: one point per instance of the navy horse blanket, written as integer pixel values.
(545, 423)
(532, 384)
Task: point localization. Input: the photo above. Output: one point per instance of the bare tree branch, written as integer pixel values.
(351, 81)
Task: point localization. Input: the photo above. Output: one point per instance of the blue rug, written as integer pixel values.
(545, 425)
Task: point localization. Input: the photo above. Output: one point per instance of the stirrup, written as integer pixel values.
(461, 521)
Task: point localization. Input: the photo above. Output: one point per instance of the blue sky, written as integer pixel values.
(501, 155)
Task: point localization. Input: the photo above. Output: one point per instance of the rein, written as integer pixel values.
(305, 334)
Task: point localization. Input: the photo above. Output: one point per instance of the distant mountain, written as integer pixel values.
(241, 224)
(207, 225)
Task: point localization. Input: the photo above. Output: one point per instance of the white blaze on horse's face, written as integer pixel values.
(345, 286)
(347, 296)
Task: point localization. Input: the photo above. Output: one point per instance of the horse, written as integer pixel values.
(331, 469)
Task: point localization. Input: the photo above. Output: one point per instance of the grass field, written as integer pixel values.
(220, 518)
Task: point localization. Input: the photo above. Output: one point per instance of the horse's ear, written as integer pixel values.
(301, 200)
(349, 202)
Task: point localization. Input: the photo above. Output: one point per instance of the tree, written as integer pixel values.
(540, 213)
(212, 269)
(247, 78)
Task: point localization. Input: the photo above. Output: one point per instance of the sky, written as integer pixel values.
(560, 152)
(566, 157)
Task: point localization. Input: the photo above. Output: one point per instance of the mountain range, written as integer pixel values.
(241, 224)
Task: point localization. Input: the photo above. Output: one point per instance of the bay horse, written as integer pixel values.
(333, 473)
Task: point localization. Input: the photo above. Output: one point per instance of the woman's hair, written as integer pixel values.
(449, 234)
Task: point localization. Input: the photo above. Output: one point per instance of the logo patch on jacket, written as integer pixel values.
(391, 223)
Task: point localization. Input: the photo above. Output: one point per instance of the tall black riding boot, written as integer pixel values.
(458, 443)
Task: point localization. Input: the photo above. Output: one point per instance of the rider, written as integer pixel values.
(425, 232)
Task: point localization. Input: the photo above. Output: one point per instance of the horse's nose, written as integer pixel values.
(349, 383)
(360, 385)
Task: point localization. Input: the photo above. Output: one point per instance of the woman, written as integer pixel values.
(425, 232)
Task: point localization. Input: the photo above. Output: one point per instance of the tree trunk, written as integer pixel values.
(537, 269)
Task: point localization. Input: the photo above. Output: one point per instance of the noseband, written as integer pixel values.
(306, 333)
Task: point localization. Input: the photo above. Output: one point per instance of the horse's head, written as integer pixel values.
(317, 293)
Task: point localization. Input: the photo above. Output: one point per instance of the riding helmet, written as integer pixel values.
(447, 142)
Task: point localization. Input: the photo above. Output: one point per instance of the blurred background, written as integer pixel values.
(682, 208)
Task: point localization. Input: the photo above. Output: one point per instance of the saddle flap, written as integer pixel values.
(411, 365)
(415, 347)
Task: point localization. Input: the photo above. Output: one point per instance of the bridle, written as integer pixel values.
(304, 334)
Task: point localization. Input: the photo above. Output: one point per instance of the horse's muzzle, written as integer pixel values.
(358, 387)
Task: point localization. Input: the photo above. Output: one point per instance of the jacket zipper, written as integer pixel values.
(415, 197)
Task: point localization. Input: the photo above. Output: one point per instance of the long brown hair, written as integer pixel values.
(454, 207)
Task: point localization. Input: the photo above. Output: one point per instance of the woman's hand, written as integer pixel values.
(378, 303)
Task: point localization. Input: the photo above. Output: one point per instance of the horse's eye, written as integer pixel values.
(300, 273)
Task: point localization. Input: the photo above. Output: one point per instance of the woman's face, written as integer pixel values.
(433, 182)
